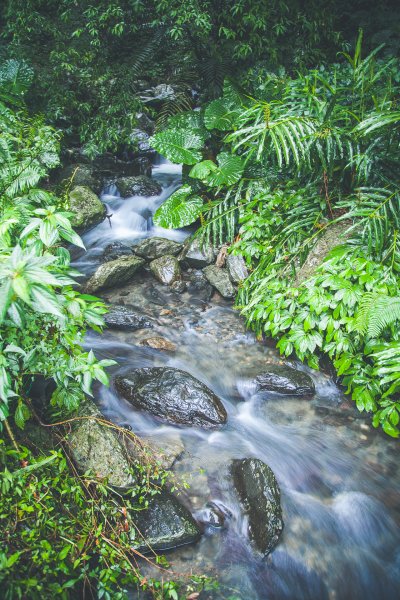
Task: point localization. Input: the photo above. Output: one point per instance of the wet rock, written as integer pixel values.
(97, 448)
(213, 515)
(178, 287)
(88, 210)
(236, 267)
(114, 273)
(125, 318)
(196, 254)
(219, 279)
(159, 343)
(141, 141)
(140, 185)
(166, 448)
(259, 493)
(155, 247)
(172, 395)
(285, 380)
(155, 96)
(166, 269)
(116, 250)
(145, 123)
(164, 525)
(108, 165)
(80, 174)
(199, 286)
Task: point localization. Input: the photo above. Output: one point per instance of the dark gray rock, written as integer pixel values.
(108, 165)
(114, 273)
(154, 247)
(196, 254)
(285, 380)
(140, 185)
(172, 395)
(199, 287)
(88, 210)
(141, 141)
(219, 279)
(97, 448)
(236, 268)
(166, 269)
(79, 174)
(124, 317)
(164, 525)
(259, 493)
(116, 250)
(145, 123)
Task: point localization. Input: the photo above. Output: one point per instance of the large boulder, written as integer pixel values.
(164, 525)
(199, 287)
(154, 247)
(172, 395)
(138, 186)
(259, 493)
(198, 255)
(332, 236)
(219, 279)
(145, 123)
(88, 210)
(285, 380)
(116, 250)
(236, 268)
(140, 139)
(125, 318)
(166, 269)
(79, 174)
(108, 165)
(96, 447)
(114, 273)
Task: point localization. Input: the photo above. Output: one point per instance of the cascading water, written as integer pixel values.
(339, 478)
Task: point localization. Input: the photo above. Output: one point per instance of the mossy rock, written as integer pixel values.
(88, 210)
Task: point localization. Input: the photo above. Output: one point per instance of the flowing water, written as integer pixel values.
(339, 477)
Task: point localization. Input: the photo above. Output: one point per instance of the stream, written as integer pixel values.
(338, 476)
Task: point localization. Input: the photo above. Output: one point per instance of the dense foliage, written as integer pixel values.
(311, 153)
(94, 61)
(37, 285)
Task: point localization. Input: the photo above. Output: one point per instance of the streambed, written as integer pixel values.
(339, 477)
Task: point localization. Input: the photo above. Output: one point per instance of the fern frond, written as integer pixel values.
(377, 312)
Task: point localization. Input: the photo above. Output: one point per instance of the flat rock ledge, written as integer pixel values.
(172, 395)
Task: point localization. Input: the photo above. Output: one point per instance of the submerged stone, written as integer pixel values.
(172, 395)
(125, 317)
(114, 273)
(259, 493)
(159, 343)
(285, 380)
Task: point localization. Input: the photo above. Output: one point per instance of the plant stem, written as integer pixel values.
(11, 435)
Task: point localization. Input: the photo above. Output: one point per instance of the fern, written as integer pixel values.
(376, 313)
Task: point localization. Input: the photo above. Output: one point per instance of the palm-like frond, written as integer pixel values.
(377, 312)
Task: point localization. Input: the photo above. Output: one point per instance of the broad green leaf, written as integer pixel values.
(178, 146)
(179, 210)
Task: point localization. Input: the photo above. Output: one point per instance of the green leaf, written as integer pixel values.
(178, 146)
(179, 210)
(230, 170)
(219, 115)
